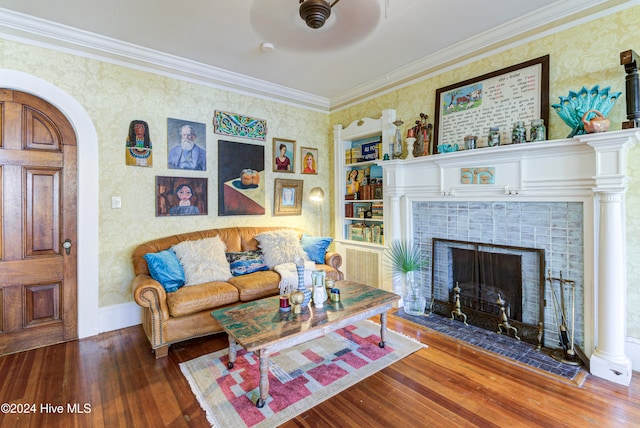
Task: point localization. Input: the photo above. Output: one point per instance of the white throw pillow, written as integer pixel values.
(280, 246)
(203, 260)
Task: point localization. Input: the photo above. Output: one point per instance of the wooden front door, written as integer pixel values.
(38, 188)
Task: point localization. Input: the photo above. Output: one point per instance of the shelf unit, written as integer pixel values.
(360, 211)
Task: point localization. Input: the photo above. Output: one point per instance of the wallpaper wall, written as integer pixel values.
(115, 95)
(585, 55)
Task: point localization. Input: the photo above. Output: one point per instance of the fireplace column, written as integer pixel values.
(608, 359)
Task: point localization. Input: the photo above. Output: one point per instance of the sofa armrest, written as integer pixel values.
(334, 260)
(149, 293)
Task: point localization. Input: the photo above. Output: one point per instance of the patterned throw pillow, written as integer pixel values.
(246, 262)
(203, 260)
(280, 246)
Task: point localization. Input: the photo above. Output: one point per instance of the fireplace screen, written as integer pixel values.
(485, 279)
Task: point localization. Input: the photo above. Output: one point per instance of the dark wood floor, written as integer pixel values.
(116, 381)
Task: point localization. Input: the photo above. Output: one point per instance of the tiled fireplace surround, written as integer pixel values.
(565, 196)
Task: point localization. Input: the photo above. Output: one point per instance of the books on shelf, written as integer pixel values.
(367, 150)
(365, 233)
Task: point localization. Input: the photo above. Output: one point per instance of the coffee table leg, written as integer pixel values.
(264, 378)
(383, 329)
(232, 352)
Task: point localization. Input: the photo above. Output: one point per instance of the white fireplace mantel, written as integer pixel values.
(591, 169)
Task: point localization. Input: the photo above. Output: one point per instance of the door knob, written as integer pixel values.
(67, 246)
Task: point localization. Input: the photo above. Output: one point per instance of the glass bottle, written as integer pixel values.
(397, 144)
(494, 137)
(538, 130)
(519, 133)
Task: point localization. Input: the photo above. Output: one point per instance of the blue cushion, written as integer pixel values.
(315, 247)
(246, 262)
(165, 268)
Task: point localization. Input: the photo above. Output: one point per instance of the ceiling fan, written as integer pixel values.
(315, 12)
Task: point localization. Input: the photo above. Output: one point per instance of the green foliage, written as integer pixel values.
(405, 257)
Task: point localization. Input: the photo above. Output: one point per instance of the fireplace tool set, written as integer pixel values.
(568, 352)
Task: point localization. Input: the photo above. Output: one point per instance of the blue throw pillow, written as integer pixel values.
(315, 247)
(246, 262)
(165, 268)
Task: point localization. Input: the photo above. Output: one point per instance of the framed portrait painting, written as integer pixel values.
(287, 197)
(187, 145)
(283, 155)
(309, 158)
(181, 196)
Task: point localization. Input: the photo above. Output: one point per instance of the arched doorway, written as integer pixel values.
(88, 321)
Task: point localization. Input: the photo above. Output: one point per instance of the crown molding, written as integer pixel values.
(543, 22)
(557, 17)
(35, 31)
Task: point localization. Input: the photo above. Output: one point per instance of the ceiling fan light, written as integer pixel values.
(315, 12)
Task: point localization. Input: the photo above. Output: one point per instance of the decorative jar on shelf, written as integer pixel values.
(494, 137)
(538, 131)
(518, 133)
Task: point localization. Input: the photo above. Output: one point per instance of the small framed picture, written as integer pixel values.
(283, 155)
(377, 191)
(287, 198)
(309, 158)
(360, 210)
(181, 196)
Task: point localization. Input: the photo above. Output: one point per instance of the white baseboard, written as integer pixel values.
(119, 316)
(632, 349)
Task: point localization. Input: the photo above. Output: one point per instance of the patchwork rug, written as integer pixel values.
(299, 378)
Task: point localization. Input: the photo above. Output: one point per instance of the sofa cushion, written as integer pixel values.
(165, 268)
(256, 285)
(315, 247)
(280, 246)
(246, 262)
(210, 295)
(203, 260)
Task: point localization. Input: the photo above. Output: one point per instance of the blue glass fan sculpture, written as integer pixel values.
(572, 107)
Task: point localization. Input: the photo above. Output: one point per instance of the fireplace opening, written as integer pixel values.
(486, 282)
(483, 277)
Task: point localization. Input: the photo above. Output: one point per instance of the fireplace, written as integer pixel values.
(565, 197)
(484, 279)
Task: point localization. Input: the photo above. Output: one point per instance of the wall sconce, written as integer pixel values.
(317, 196)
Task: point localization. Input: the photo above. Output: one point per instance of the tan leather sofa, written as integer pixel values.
(185, 314)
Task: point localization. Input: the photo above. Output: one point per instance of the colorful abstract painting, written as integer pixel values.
(484, 175)
(239, 126)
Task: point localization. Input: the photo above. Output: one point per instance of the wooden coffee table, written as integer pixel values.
(260, 327)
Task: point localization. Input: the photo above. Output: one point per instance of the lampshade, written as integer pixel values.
(316, 194)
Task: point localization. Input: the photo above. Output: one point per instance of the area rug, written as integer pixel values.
(299, 378)
(497, 343)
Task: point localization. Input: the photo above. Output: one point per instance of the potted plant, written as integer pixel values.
(405, 258)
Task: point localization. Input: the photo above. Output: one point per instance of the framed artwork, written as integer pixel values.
(360, 210)
(287, 197)
(499, 98)
(240, 178)
(186, 145)
(237, 125)
(181, 196)
(283, 155)
(309, 158)
(138, 150)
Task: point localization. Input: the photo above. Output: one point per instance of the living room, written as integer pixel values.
(102, 95)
